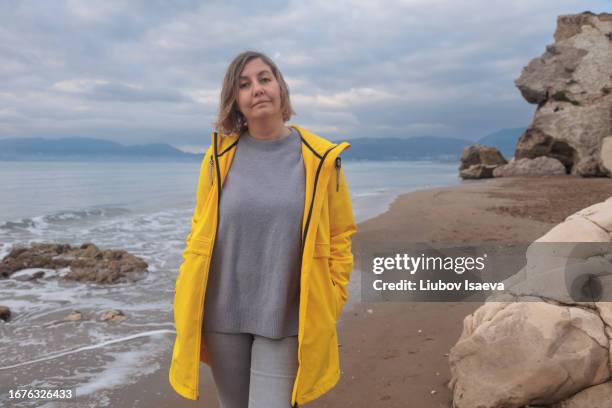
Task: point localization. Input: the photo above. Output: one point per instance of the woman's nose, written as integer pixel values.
(257, 89)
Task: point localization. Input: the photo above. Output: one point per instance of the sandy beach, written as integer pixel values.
(386, 361)
(395, 354)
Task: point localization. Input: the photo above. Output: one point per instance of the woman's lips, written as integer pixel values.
(259, 103)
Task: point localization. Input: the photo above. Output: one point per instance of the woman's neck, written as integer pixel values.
(268, 130)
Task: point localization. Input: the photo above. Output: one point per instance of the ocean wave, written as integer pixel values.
(77, 349)
(44, 222)
(5, 249)
(371, 193)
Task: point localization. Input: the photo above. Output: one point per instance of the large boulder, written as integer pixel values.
(479, 161)
(540, 166)
(572, 85)
(547, 339)
(527, 353)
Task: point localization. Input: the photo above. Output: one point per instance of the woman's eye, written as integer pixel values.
(265, 79)
(243, 85)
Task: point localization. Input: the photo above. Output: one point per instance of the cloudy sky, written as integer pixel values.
(150, 71)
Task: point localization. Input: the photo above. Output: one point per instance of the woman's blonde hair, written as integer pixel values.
(230, 119)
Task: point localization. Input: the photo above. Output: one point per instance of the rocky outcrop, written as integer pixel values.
(547, 340)
(86, 263)
(540, 166)
(572, 85)
(479, 161)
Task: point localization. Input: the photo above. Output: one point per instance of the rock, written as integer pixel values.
(480, 154)
(576, 229)
(572, 85)
(539, 343)
(606, 153)
(540, 166)
(589, 167)
(112, 315)
(477, 171)
(74, 316)
(570, 25)
(568, 281)
(478, 161)
(89, 250)
(572, 262)
(524, 351)
(599, 214)
(597, 396)
(86, 263)
(35, 276)
(5, 313)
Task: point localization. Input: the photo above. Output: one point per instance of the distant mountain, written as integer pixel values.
(81, 148)
(429, 147)
(414, 148)
(504, 140)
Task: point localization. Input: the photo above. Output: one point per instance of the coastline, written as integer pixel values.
(393, 352)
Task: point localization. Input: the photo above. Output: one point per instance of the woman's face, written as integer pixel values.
(258, 92)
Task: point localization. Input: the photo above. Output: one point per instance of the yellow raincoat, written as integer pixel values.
(327, 263)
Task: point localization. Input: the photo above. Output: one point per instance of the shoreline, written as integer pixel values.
(393, 352)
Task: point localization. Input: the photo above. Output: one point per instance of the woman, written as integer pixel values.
(268, 259)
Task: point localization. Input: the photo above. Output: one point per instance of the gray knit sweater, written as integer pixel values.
(254, 281)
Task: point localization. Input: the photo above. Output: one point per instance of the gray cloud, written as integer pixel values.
(103, 91)
(150, 71)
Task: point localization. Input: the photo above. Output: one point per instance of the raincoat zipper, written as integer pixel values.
(338, 164)
(212, 164)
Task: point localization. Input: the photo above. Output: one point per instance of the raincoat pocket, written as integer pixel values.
(199, 245)
(322, 265)
(195, 258)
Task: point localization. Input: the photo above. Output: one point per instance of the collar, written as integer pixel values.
(315, 143)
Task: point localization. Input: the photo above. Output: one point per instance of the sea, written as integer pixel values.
(146, 209)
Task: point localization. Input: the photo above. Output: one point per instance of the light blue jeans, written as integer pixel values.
(252, 371)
